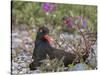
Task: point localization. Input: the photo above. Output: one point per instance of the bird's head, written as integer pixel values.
(43, 34)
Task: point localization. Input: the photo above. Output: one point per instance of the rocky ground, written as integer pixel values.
(22, 48)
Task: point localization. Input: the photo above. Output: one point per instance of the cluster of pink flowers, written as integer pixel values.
(69, 21)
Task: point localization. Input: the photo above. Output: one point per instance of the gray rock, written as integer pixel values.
(23, 71)
(15, 34)
(15, 45)
(92, 59)
(14, 72)
(79, 67)
(95, 48)
(17, 40)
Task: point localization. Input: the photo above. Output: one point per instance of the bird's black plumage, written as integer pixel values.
(43, 47)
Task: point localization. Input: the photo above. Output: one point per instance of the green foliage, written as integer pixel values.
(54, 65)
(31, 13)
(70, 65)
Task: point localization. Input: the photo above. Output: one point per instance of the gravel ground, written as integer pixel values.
(22, 48)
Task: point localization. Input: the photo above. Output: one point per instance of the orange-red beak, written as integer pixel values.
(47, 37)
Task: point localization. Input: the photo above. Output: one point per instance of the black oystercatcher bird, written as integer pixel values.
(43, 47)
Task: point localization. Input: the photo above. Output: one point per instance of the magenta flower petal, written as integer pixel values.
(68, 21)
(48, 7)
